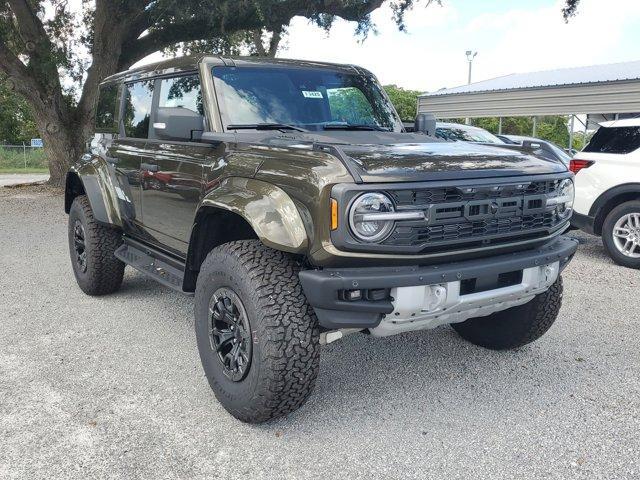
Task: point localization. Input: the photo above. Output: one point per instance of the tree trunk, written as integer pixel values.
(64, 144)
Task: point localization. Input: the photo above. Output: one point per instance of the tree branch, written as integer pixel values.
(30, 27)
(256, 35)
(240, 17)
(19, 75)
(274, 42)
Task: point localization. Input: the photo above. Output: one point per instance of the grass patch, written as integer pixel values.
(17, 160)
(24, 170)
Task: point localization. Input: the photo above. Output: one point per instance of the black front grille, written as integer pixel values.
(423, 197)
(406, 235)
(474, 215)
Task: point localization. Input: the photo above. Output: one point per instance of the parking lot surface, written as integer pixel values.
(112, 387)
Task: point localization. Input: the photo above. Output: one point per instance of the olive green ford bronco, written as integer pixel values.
(289, 199)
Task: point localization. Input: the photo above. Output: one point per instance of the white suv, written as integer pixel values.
(608, 189)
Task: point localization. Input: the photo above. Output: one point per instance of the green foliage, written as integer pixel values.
(16, 119)
(405, 101)
(22, 160)
(552, 128)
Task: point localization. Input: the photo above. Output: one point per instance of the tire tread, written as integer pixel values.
(106, 272)
(290, 348)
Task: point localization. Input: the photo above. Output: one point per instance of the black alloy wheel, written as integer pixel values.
(230, 333)
(79, 246)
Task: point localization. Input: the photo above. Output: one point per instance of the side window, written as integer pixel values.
(620, 140)
(180, 113)
(182, 92)
(107, 109)
(137, 108)
(349, 105)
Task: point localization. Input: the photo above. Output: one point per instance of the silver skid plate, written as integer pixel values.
(429, 306)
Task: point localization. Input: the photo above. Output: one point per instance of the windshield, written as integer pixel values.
(313, 99)
(467, 135)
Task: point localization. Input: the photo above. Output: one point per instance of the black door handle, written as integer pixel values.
(150, 167)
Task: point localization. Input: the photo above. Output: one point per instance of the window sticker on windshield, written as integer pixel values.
(311, 94)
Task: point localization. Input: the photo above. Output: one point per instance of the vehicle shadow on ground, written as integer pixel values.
(362, 376)
(592, 245)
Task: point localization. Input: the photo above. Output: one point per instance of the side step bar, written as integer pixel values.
(157, 265)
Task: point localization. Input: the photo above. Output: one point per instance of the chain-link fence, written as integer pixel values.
(22, 159)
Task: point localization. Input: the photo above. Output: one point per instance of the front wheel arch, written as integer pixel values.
(212, 227)
(609, 200)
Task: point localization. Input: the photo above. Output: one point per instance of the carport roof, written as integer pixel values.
(598, 89)
(564, 76)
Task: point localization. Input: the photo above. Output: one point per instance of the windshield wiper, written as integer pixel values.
(266, 126)
(354, 126)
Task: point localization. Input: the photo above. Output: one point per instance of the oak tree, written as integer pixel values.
(55, 57)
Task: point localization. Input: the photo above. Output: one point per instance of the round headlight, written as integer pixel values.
(362, 217)
(566, 196)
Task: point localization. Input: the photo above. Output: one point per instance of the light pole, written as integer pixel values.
(470, 56)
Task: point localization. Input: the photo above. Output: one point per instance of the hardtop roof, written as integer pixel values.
(623, 122)
(191, 62)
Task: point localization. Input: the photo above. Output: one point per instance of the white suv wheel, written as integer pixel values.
(626, 235)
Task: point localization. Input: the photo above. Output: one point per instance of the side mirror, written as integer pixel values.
(174, 123)
(425, 123)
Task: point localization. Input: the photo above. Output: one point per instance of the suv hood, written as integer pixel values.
(378, 157)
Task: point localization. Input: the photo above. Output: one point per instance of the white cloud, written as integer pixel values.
(431, 56)
(525, 40)
(396, 57)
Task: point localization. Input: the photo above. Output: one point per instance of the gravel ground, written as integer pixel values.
(112, 387)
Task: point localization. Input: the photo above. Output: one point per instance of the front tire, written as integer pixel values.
(91, 247)
(621, 234)
(257, 336)
(516, 326)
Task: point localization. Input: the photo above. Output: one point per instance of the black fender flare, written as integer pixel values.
(91, 177)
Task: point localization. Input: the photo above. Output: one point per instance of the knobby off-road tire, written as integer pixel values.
(627, 208)
(516, 326)
(98, 272)
(281, 326)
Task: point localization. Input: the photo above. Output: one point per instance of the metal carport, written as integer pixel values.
(612, 90)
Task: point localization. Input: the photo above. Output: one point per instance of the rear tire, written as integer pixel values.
(260, 347)
(616, 219)
(91, 247)
(516, 326)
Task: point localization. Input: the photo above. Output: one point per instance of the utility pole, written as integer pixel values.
(470, 56)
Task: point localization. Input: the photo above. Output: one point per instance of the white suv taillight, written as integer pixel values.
(575, 165)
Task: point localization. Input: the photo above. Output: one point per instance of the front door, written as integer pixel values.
(172, 184)
(172, 169)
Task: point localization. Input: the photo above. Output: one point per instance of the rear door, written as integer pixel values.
(173, 167)
(126, 152)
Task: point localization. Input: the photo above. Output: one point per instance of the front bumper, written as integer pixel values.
(325, 288)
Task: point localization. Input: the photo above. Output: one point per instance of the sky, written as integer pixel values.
(510, 36)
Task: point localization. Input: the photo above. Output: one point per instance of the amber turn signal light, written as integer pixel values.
(334, 214)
